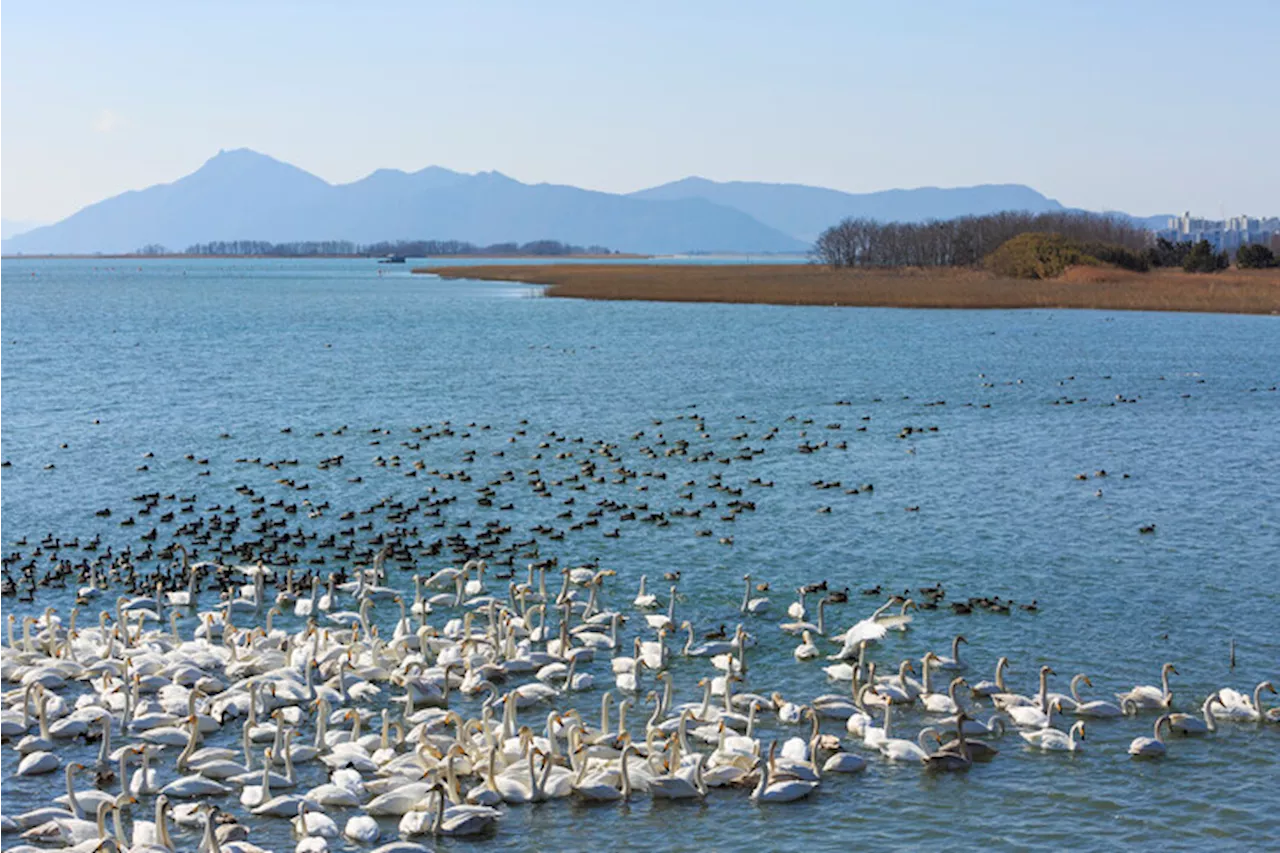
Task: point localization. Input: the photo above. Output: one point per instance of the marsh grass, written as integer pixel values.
(1233, 291)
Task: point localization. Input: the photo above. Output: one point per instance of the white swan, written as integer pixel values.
(664, 621)
(898, 690)
(309, 823)
(953, 663)
(600, 788)
(462, 820)
(820, 627)
(1035, 715)
(674, 787)
(806, 650)
(1238, 706)
(74, 831)
(986, 688)
(1150, 747)
(1055, 740)
(1004, 701)
(143, 780)
(899, 621)
(901, 749)
(1148, 698)
(1190, 724)
(362, 828)
(844, 762)
(786, 790)
(796, 610)
(38, 763)
(1096, 708)
(153, 836)
(942, 703)
(1031, 717)
(516, 790)
(645, 599)
(873, 735)
(866, 631)
(752, 605)
(857, 722)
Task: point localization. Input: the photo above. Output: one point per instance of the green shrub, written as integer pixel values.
(1202, 258)
(1126, 259)
(1167, 254)
(1255, 256)
(1037, 256)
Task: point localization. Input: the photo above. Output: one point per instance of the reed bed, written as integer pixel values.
(1230, 292)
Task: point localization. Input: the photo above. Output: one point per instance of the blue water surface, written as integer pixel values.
(116, 359)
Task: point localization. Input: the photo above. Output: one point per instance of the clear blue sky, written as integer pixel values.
(1147, 107)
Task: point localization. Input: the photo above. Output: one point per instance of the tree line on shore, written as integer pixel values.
(1022, 245)
(964, 241)
(407, 248)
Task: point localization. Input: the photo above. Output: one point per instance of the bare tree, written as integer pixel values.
(964, 241)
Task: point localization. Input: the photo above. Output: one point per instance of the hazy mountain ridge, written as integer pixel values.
(14, 227)
(805, 211)
(244, 195)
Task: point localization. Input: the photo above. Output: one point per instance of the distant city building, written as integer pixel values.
(1224, 235)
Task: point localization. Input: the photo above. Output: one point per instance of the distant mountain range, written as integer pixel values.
(13, 227)
(805, 212)
(244, 195)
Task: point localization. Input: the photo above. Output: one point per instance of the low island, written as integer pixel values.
(1229, 291)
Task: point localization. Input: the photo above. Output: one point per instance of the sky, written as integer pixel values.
(1145, 107)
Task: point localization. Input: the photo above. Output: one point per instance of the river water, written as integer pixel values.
(105, 361)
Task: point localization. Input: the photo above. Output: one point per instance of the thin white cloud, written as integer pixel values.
(108, 121)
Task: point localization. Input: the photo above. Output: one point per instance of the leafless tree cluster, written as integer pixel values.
(408, 248)
(265, 247)
(964, 241)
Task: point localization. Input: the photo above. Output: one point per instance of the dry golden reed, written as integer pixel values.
(1232, 292)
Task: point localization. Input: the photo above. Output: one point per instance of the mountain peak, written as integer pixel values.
(494, 176)
(436, 171)
(230, 156)
(240, 164)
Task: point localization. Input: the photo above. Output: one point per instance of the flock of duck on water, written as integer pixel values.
(376, 713)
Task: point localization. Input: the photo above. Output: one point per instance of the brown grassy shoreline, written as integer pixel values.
(1231, 292)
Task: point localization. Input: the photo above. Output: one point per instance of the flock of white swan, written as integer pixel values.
(378, 709)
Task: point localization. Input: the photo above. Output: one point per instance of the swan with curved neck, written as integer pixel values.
(1053, 740)
(954, 662)
(1095, 708)
(1150, 747)
(901, 749)
(1038, 715)
(1237, 706)
(997, 690)
(1149, 698)
(674, 787)
(1190, 724)
(899, 690)
(749, 604)
(786, 790)
(948, 703)
(1045, 672)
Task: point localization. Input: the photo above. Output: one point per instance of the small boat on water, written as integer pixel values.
(392, 259)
